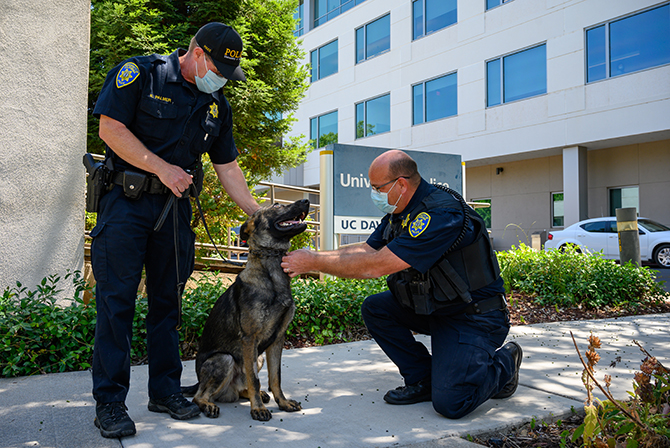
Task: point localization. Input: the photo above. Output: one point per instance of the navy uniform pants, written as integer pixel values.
(466, 368)
(123, 243)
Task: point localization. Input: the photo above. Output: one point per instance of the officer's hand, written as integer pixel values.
(175, 178)
(297, 262)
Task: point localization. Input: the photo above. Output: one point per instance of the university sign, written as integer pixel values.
(353, 210)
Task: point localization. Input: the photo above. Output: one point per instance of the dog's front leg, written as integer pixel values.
(273, 354)
(250, 356)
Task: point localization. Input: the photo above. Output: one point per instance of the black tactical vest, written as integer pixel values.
(460, 270)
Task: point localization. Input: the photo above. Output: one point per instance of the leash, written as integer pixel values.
(171, 204)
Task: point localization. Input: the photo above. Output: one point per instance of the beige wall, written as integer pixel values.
(43, 91)
(521, 194)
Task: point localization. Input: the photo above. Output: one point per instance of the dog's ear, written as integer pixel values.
(247, 229)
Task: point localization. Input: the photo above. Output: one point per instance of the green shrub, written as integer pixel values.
(39, 336)
(329, 311)
(570, 278)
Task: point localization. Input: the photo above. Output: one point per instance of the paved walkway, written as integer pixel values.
(341, 389)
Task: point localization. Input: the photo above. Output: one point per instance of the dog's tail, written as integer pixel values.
(190, 391)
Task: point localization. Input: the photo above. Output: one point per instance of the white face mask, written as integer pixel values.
(381, 200)
(209, 83)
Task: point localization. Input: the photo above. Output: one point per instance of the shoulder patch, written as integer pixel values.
(419, 224)
(128, 73)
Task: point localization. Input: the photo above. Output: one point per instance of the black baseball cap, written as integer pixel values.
(222, 43)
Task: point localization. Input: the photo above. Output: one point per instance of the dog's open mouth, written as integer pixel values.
(291, 223)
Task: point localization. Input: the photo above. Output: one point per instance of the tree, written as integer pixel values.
(263, 106)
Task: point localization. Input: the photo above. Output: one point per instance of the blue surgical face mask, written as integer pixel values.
(381, 200)
(209, 83)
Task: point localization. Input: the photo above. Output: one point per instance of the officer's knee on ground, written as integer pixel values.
(448, 407)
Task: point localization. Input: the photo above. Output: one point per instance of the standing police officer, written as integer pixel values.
(444, 282)
(158, 115)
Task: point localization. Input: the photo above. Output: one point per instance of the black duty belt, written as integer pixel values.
(153, 184)
(484, 306)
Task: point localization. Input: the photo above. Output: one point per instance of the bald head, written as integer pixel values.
(393, 164)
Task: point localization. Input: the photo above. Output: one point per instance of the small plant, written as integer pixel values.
(643, 421)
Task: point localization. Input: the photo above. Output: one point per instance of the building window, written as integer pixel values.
(557, 214)
(298, 16)
(493, 3)
(324, 61)
(373, 39)
(628, 45)
(484, 212)
(624, 197)
(373, 116)
(434, 99)
(432, 15)
(325, 10)
(517, 76)
(323, 129)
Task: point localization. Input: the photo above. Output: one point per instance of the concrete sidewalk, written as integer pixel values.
(341, 389)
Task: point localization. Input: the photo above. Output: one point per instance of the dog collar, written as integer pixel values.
(267, 253)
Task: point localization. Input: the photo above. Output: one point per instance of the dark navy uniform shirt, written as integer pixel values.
(174, 120)
(424, 246)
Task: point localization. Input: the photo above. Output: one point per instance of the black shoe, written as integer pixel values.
(176, 405)
(410, 394)
(113, 420)
(517, 355)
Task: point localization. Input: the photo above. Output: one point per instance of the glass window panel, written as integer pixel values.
(360, 44)
(557, 210)
(314, 131)
(333, 5)
(360, 120)
(441, 98)
(640, 41)
(378, 36)
(327, 129)
(320, 8)
(378, 115)
(328, 59)
(493, 83)
(439, 14)
(492, 3)
(525, 74)
(596, 54)
(624, 198)
(315, 65)
(417, 103)
(417, 13)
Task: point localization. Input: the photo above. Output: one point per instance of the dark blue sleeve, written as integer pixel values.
(223, 150)
(430, 241)
(120, 94)
(375, 239)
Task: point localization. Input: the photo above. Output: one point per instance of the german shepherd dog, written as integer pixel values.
(250, 318)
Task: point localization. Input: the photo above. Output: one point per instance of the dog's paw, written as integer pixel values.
(210, 410)
(265, 397)
(262, 414)
(291, 406)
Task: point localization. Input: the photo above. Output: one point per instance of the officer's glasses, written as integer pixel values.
(378, 189)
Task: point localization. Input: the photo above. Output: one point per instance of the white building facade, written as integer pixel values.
(560, 109)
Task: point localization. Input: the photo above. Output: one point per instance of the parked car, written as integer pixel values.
(600, 234)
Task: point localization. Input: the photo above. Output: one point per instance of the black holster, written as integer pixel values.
(97, 183)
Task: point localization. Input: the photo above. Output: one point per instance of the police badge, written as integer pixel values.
(128, 73)
(419, 224)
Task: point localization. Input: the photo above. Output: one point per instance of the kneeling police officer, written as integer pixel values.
(444, 281)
